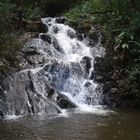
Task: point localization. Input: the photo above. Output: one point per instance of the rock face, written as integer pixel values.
(108, 72)
(55, 73)
(28, 92)
(32, 91)
(34, 26)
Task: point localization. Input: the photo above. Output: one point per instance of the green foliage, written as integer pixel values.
(132, 84)
(120, 22)
(6, 8)
(123, 39)
(32, 13)
(8, 43)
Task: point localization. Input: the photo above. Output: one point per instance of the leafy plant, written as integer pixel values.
(32, 13)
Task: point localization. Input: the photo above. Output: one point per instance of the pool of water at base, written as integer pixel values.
(74, 125)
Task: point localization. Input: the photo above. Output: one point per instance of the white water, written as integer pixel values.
(73, 52)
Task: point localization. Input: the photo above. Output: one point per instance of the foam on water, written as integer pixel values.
(12, 117)
(98, 110)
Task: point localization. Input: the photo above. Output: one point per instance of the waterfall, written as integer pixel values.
(78, 58)
(62, 78)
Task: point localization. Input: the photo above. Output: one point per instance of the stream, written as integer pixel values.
(121, 125)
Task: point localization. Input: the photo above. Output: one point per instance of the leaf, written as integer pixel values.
(121, 35)
(131, 37)
(125, 46)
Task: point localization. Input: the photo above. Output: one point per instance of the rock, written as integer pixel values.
(36, 59)
(71, 34)
(86, 61)
(26, 92)
(94, 36)
(88, 100)
(34, 26)
(64, 102)
(55, 29)
(3, 108)
(51, 40)
(81, 36)
(2, 95)
(51, 92)
(31, 51)
(61, 19)
(87, 84)
(57, 46)
(1, 114)
(27, 37)
(99, 79)
(46, 37)
(112, 101)
(29, 92)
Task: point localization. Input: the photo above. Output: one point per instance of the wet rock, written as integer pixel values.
(61, 19)
(51, 93)
(3, 108)
(51, 40)
(86, 61)
(88, 100)
(30, 50)
(26, 92)
(34, 26)
(87, 84)
(1, 114)
(71, 34)
(27, 37)
(55, 29)
(46, 37)
(2, 94)
(112, 101)
(30, 93)
(57, 46)
(35, 60)
(64, 102)
(81, 36)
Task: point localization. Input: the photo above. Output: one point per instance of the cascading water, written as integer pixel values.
(62, 78)
(77, 61)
